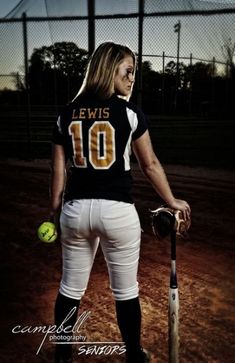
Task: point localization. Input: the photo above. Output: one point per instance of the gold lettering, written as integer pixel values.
(82, 112)
(106, 112)
(74, 115)
(75, 130)
(92, 112)
(100, 113)
(105, 161)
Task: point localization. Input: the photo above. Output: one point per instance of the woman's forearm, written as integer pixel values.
(157, 177)
(58, 175)
(56, 190)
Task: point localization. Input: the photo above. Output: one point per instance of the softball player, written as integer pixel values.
(95, 133)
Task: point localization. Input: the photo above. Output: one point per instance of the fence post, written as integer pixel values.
(140, 52)
(26, 68)
(177, 29)
(190, 84)
(163, 82)
(227, 69)
(213, 87)
(213, 66)
(91, 26)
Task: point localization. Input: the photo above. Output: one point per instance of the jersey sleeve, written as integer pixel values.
(141, 126)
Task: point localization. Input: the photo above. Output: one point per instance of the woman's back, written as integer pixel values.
(97, 136)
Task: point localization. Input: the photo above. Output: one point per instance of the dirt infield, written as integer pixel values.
(31, 270)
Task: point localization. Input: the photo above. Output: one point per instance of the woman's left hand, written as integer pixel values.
(183, 206)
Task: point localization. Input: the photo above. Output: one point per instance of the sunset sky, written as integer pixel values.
(203, 36)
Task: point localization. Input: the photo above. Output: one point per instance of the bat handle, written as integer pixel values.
(173, 245)
(173, 276)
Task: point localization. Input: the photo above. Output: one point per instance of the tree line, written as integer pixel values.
(56, 73)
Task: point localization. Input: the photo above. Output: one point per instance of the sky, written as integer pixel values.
(6, 6)
(202, 36)
(56, 7)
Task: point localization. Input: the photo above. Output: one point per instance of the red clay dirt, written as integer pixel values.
(31, 270)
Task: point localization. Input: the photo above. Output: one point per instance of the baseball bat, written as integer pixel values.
(173, 308)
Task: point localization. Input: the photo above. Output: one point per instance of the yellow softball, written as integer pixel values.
(47, 232)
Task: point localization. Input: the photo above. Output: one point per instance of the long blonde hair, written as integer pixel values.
(102, 67)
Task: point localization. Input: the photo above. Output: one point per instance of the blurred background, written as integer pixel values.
(185, 81)
(185, 84)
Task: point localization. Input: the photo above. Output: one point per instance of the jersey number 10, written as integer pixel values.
(101, 144)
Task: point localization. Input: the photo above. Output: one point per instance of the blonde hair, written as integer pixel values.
(103, 64)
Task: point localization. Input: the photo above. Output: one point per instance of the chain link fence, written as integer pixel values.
(185, 75)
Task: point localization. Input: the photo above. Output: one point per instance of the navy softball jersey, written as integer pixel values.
(96, 136)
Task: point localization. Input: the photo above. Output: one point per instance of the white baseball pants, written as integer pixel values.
(115, 225)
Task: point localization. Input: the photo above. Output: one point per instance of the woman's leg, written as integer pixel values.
(121, 245)
(79, 247)
(129, 322)
(66, 311)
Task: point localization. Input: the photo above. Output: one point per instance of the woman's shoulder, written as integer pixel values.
(128, 103)
(134, 108)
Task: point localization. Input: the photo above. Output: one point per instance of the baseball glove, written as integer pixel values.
(164, 220)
